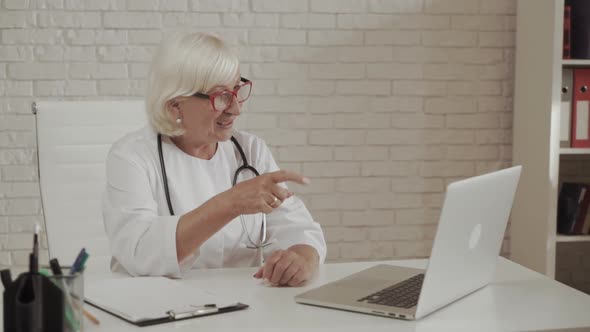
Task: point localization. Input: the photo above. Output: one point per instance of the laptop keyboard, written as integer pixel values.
(402, 295)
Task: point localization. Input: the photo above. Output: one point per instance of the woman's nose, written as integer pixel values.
(235, 108)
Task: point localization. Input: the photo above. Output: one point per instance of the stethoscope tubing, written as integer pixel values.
(244, 167)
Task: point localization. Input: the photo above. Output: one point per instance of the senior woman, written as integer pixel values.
(171, 203)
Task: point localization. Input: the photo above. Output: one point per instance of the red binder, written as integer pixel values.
(581, 109)
(567, 28)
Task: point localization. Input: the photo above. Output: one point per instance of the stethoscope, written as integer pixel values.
(242, 169)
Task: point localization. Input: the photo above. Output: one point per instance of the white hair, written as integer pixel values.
(186, 63)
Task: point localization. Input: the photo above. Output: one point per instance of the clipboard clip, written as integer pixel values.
(193, 312)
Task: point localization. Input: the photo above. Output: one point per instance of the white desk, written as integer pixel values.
(518, 299)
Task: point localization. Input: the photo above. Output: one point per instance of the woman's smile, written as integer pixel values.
(225, 124)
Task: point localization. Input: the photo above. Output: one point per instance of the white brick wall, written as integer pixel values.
(380, 102)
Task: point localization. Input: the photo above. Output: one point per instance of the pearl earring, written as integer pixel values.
(178, 120)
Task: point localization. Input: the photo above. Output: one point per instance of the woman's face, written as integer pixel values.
(202, 122)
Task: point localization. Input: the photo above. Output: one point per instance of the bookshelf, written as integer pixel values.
(536, 146)
(565, 151)
(575, 63)
(572, 238)
(537, 85)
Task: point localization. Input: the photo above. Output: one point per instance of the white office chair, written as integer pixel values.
(73, 139)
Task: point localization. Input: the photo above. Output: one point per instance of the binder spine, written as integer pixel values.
(566, 108)
(581, 109)
(567, 32)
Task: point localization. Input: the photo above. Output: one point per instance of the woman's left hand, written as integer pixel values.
(291, 267)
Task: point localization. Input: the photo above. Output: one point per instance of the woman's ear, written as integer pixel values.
(173, 108)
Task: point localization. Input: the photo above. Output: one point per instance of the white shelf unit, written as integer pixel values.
(536, 146)
(564, 151)
(572, 238)
(537, 99)
(575, 62)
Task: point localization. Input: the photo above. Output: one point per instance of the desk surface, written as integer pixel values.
(518, 299)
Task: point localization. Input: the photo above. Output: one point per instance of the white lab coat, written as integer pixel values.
(142, 233)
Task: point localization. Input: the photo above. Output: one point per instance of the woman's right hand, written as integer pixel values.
(263, 193)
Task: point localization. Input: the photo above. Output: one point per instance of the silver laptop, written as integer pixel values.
(463, 259)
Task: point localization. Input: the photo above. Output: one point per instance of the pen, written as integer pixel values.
(34, 257)
(82, 262)
(78, 261)
(90, 317)
(56, 269)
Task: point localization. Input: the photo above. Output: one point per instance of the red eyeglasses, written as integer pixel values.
(223, 100)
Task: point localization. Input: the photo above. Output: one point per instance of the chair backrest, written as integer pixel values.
(73, 139)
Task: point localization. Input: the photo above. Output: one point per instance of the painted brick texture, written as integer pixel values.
(381, 102)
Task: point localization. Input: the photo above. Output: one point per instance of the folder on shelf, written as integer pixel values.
(145, 301)
(580, 109)
(578, 226)
(586, 225)
(566, 107)
(569, 206)
(567, 26)
(580, 30)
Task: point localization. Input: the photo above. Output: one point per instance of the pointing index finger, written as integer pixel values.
(283, 175)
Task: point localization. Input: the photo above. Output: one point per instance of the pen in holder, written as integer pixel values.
(72, 287)
(33, 303)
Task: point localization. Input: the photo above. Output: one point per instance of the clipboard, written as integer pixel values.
(146, 301)
(172, 316)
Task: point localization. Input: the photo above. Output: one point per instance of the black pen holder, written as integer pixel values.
(33, 303)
